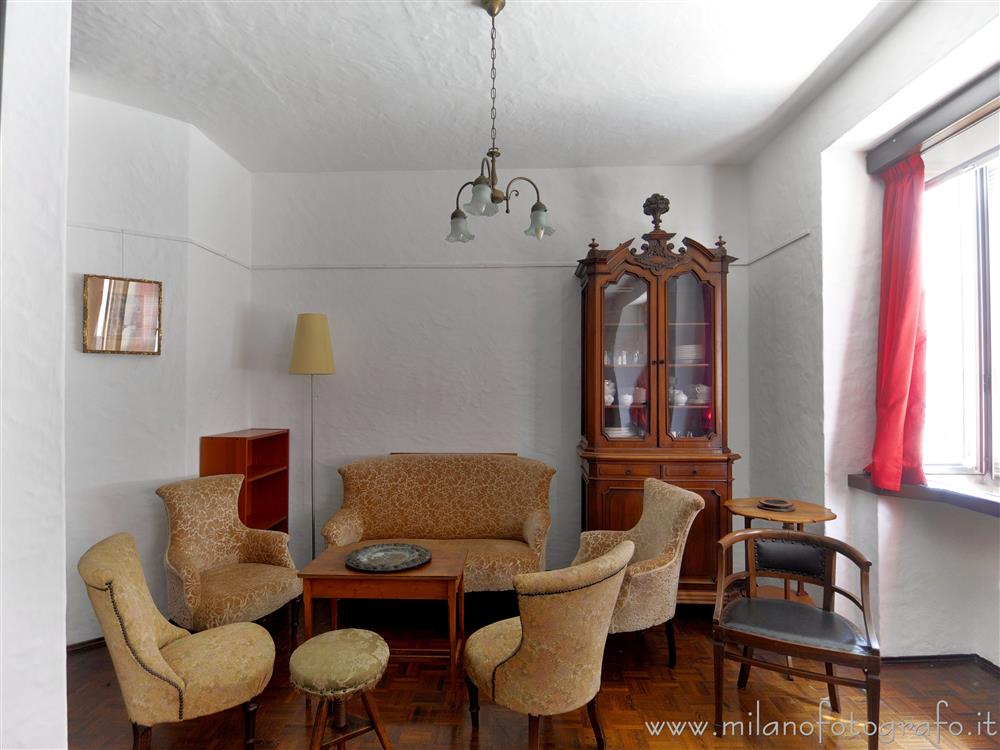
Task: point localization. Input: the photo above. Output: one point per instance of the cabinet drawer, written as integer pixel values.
(628, 470)
(707, 470)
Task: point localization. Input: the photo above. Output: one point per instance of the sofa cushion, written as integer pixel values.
(446, 495)
(243, 592)
(795, 622)
(491, 563)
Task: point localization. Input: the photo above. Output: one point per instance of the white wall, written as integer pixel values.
(149, 197)
(813, 332)
(455, 347)
(32, 263)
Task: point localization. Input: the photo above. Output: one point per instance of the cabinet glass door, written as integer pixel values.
(690, 357)
(626, 336)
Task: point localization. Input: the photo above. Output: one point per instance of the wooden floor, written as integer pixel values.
(638, 692)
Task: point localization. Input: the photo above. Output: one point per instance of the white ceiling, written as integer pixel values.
(325, 86)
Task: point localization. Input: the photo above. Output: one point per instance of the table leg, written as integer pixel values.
(746, 552)
(307, 607)
(452, 638)
(461, 613)
(801, 587)
(333, 614)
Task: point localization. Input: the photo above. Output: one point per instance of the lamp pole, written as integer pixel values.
(312, 355)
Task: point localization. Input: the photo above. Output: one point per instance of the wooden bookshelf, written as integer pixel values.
(260, 455)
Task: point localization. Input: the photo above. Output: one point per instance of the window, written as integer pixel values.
(961, 303)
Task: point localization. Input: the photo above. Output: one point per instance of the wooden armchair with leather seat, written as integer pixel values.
(793, 628)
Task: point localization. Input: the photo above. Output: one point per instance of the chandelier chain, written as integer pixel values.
(493, 80)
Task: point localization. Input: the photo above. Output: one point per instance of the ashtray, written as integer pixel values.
(388, 558)
(776, 504)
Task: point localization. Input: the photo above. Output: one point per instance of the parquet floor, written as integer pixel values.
(637, 688)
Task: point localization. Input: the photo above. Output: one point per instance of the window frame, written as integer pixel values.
(986, 450)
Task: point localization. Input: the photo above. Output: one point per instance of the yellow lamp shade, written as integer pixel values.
(311, 351)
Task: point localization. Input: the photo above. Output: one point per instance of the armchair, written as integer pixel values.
(548, 660)
(794, 628)
(648, 595)
(218, 570)
(165, 673)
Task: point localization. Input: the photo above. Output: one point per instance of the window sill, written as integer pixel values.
(939, 488)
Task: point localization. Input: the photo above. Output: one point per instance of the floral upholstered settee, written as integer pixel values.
(493, 506)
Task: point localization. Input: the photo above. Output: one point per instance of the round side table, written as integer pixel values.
(794, 519)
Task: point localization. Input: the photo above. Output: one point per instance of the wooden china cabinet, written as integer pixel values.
(654, 386)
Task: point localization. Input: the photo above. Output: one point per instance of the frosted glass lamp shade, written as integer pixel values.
(482, 203)
(312, 353)
(459, 228)
(539, 226)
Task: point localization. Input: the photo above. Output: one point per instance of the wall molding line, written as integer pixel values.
(769, 253)
(407, 266)
(123, 231)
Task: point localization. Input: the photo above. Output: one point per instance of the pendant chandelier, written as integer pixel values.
(486, 196)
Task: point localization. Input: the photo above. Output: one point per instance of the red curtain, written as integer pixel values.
(897, 455)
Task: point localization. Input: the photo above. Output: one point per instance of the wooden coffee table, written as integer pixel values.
(327, 577)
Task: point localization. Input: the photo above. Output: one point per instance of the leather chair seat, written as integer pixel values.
(796, 622)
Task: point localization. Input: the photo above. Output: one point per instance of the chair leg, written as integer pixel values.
(473, 702)
(293, 615)
(671, 644)
(719, 651)
(533, 733)
(249, 723)
(595, 722)
(369, 700)
(340, 720)
(319, 724)
(834, 696)
(142, 737)
(744, 669)
(873, 689)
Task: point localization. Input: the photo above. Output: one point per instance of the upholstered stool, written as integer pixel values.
(333, 667)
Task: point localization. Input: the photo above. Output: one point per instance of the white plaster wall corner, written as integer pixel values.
(32, 379)
(133, 425)
(798, 450)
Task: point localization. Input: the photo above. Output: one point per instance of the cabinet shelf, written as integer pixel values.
(259, 472)
(265, 521)
(691, 364)
(261, 456)
(682, 324)
(690, 406)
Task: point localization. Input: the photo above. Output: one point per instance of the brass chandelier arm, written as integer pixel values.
(459, 193)
(511, 193)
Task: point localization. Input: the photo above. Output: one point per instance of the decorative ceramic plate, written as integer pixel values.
(388, 558)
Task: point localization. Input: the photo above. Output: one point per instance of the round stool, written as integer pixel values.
(333, 667)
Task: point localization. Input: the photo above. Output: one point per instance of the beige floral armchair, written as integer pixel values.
(164, 672)
(548, 660)
(648, 596)
(218, 570)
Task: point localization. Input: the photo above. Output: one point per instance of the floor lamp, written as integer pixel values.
(312, 355)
